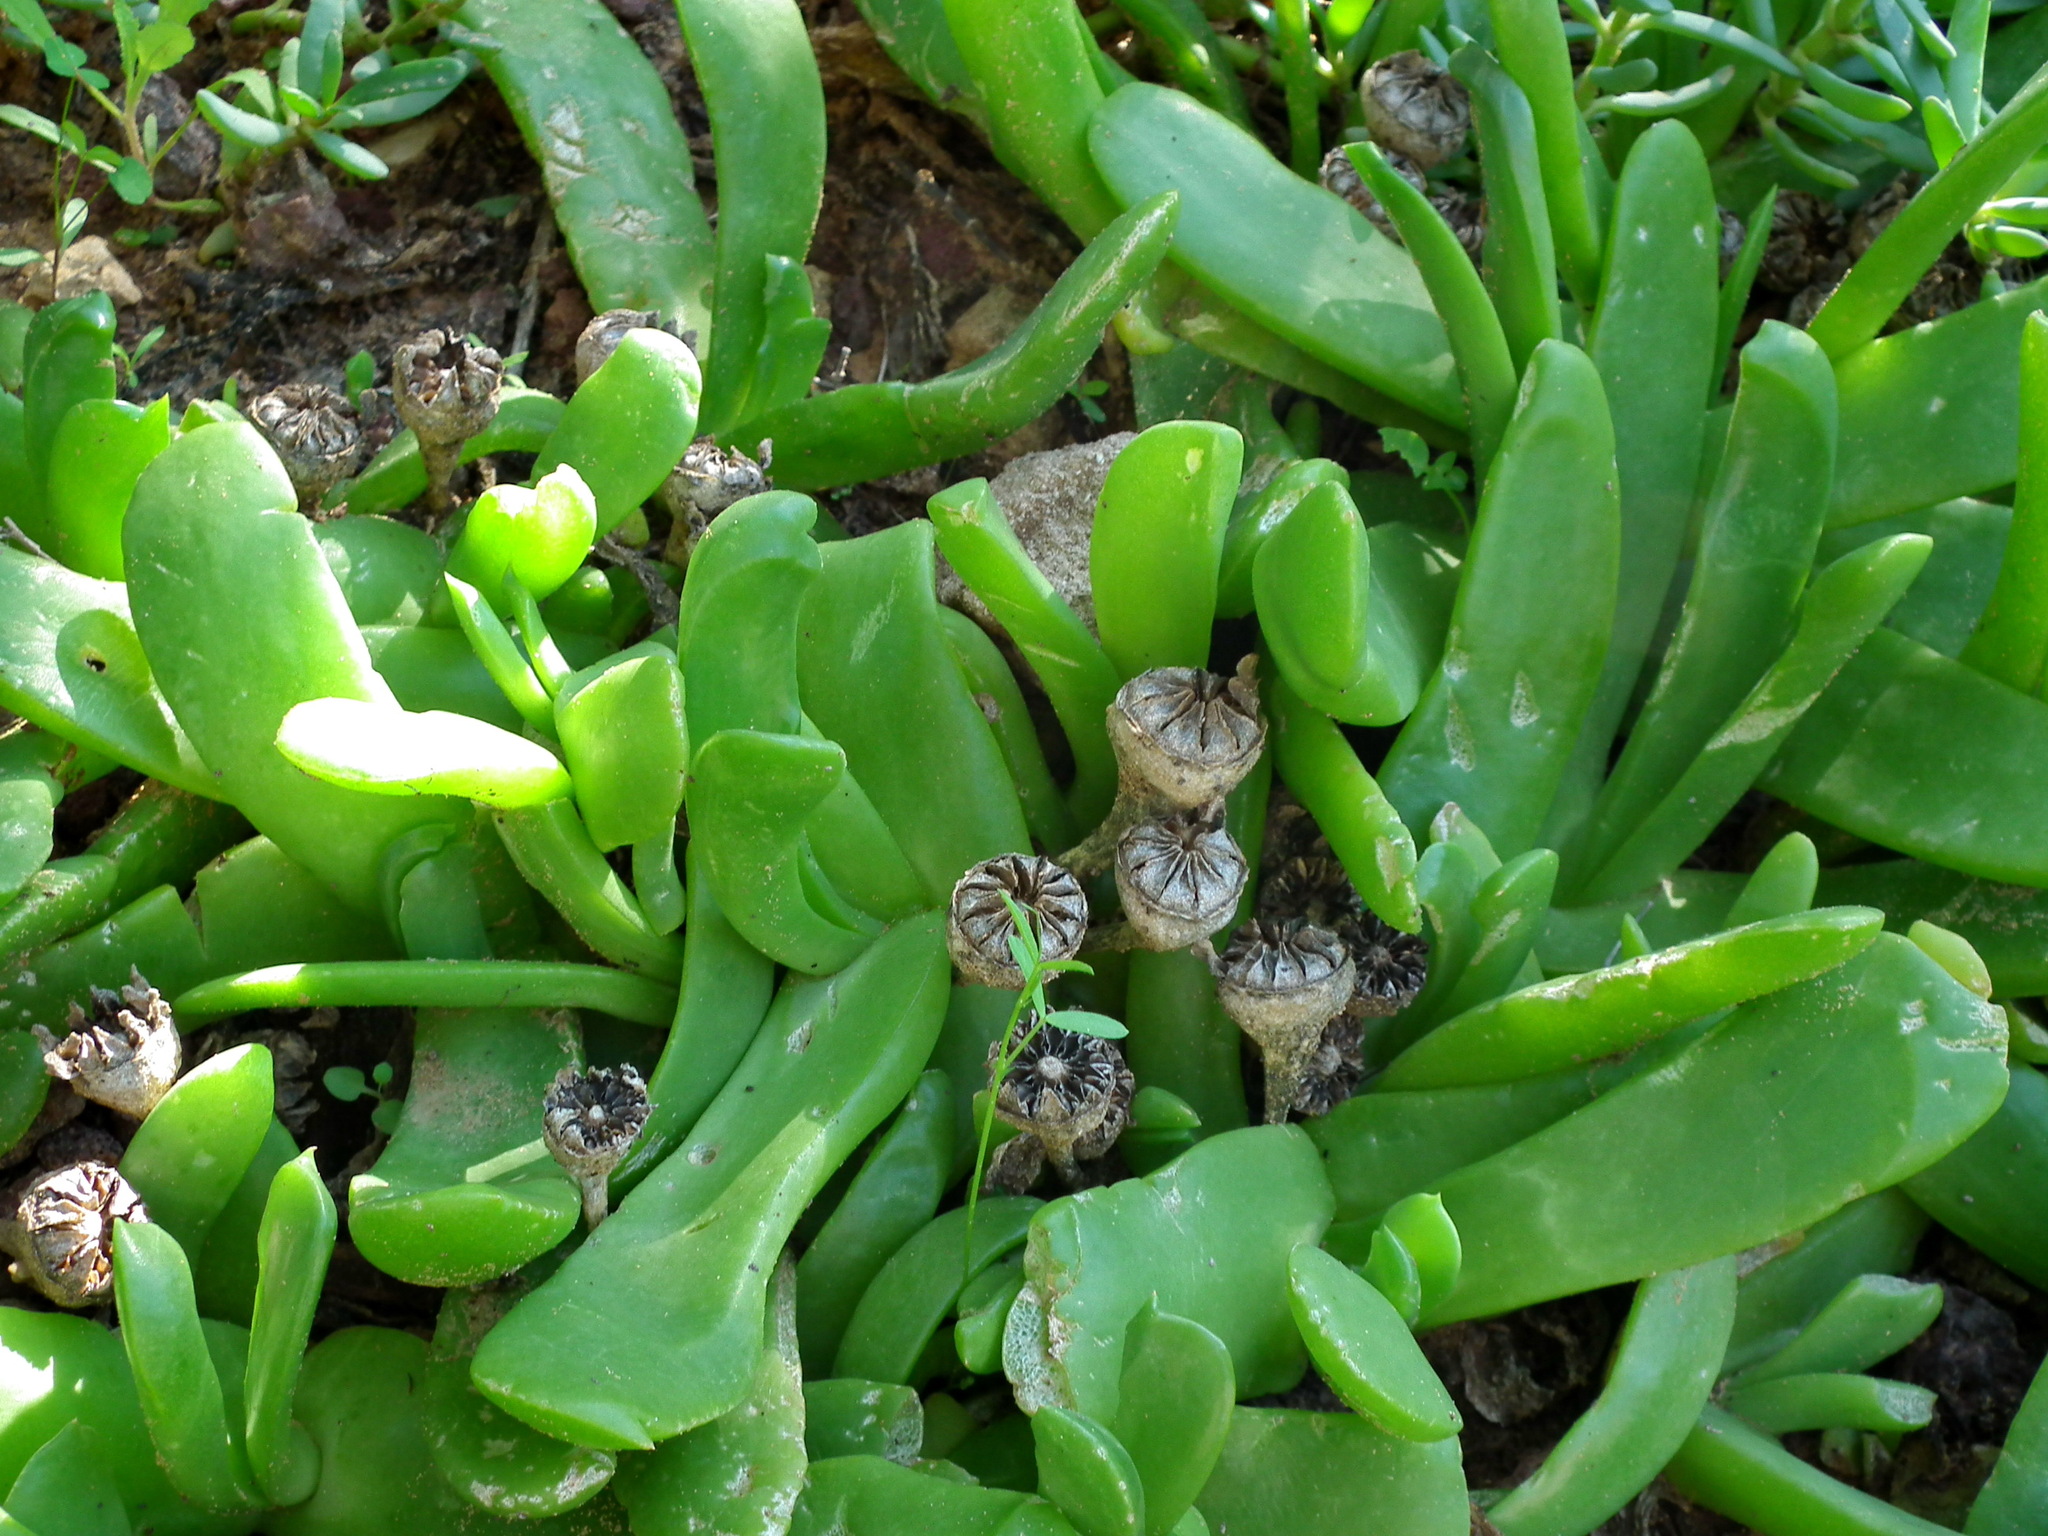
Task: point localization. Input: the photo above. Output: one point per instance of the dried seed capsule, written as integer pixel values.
(589, 1120)
(600, 338)
(1335, 1070)
(1070, 1091)
(1187, 736)
(1015, 1167)
(979, 926)
(1179, 878)
(1392, 965)
(1417, 107)
(1805, 244)
(316, 434)
(125, 1056)
(1282, 982)
(75, 1143)
(65, 1240)
(707, 481)
(446, 390)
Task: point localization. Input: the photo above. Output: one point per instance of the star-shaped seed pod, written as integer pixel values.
(446, 390)
(125, 1055)
(1417, 107)
(63, 1232)
(1070, 1091)
(589, 1120)
(1392, 965)
(1282, 982)
(979, 925)
(1185, 737)
(1179, 878)
(316, 434)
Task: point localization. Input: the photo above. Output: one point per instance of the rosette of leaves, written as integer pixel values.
(302, 104)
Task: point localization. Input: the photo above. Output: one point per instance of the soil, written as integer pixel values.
(927, 252)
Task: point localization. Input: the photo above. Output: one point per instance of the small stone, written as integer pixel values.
(89, 266)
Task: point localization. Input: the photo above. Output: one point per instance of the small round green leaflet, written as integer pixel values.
(384, 750)
(1087, 1475)
(1364, 1350)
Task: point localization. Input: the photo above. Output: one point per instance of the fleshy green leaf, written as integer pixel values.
(388, 751)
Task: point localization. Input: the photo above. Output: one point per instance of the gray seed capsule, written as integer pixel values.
(1179, 878)
(979, 925)
(65, 1237)
(1186, 736)
(1417, 107)
(316, 434)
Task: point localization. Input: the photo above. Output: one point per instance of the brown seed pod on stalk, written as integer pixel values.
(1417, 107)
(1069, 1091)
(316, 434)
(1184, 737)
(446, 391)
(1179, 878)
(589, 1121)
(1282, 982)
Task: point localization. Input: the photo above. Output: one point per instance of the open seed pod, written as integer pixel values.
(316, 434)
(1184, 736)
(979, 925)
(1071, 1092)
(1179, 878)
(1282, 982)
(1392, 965)
(64, 1240)
(1416, 107)
(446, 391)
(125, 1055)
(589, 1121)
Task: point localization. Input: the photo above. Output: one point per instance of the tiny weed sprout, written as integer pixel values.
(1452, 757)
